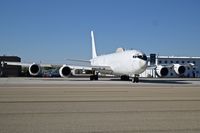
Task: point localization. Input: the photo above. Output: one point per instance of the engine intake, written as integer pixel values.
(162, 71)
(34, 69)
(179, 69)
(65, 71)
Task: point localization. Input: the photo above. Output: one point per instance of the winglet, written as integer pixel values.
(94, 53)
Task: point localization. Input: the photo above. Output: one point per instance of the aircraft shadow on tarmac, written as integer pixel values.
(165, 81)
(142, 80)
(161, 81)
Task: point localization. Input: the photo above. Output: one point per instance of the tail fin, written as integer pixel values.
(94, 53)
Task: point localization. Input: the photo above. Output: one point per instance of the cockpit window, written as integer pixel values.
(143, 57)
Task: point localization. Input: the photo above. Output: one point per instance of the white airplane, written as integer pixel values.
(129, 63)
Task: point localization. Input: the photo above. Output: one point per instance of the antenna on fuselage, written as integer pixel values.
(94, 53)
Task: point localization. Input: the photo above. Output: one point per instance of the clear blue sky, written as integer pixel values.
(53, 30)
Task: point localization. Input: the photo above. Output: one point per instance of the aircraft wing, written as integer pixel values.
(64, 70)
(26, 64)
(77, 60)
(151, 67)
(101, 69)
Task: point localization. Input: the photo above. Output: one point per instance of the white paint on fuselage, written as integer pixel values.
(122, 63)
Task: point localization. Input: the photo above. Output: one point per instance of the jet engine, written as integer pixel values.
(65, 71)
(162, 71)
(34, 69)
(179, 69)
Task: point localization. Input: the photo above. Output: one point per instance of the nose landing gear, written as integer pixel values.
(135, 79)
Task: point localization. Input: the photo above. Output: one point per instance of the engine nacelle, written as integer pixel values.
(162, 71)
(179, 69)
(65, 71)
(34, 69)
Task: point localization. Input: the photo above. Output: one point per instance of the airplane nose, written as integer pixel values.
(143, 64)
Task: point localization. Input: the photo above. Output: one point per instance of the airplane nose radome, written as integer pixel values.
(143, 65)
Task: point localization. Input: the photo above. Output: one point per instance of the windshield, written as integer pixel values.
(143, 57)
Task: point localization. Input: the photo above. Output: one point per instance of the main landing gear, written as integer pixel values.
(135, 79)
(125, 78)
(94, 76)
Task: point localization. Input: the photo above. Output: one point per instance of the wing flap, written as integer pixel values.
(101, 69)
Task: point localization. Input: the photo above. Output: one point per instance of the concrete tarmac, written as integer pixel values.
(77, 105)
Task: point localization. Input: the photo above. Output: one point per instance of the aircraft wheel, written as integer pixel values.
(135, 79)
(124, 78)
(94, 77)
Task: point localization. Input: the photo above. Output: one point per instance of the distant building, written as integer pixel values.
(190, 66)
(7, 70)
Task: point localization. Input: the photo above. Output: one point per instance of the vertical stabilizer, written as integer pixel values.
(94, 53)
